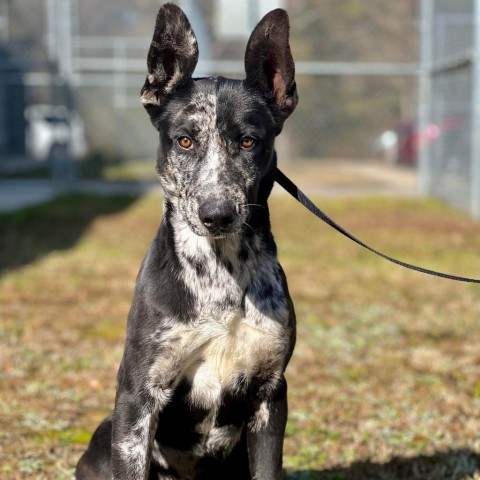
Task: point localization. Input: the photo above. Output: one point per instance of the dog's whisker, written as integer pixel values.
(249, 226)
(253, 205)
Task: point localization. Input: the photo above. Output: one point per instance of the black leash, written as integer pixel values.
(296, 193)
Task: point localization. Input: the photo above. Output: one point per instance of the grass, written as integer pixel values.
(133, 170)
(385, 380)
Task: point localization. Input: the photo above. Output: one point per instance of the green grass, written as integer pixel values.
(385, 379)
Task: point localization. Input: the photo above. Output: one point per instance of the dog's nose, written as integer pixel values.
(217, 215)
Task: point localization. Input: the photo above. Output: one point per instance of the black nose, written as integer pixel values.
(217, 215)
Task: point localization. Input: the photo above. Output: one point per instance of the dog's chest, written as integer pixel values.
(220, 360)
(235, 341)
(239, 333)
(228, 355)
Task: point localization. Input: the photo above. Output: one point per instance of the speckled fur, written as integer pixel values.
(201, 389)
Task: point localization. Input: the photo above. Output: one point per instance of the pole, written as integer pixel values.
(426, 53)
(64, 169)
(475, 134)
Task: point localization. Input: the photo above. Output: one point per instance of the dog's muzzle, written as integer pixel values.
(218, 216)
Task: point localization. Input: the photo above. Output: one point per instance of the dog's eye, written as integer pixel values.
(185, 142)
(247, 142)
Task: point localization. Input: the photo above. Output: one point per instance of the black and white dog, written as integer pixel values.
(201, 389)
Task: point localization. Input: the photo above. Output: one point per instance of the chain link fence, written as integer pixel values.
(449, 102)
(71, 71)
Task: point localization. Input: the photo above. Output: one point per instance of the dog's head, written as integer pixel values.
(216, 155)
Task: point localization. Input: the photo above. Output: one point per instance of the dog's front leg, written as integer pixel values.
(134, 422)
(265, 433)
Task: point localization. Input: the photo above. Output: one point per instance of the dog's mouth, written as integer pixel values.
(220, 235)
(215, 233)
(215, 218)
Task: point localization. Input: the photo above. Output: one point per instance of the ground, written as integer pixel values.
(385, 380)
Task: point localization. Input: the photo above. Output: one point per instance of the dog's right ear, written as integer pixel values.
(172, 57)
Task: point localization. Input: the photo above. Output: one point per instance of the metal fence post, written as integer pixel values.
(426, 54)
(64, 172)
(475, 133)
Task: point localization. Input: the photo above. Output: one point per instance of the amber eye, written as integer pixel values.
(185, 142)
(247, 142)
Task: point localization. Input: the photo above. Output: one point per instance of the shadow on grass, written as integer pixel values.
(29, 234)
(450, 465)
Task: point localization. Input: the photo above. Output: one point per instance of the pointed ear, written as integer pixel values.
(269, 63)
(172, 57)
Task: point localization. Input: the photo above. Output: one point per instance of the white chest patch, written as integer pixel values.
(223, 350)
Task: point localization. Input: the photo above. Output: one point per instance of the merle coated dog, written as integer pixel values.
(201, 389)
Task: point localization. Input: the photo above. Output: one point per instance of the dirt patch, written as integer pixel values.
(352, 178)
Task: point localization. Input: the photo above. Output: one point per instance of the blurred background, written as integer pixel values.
(391, 82)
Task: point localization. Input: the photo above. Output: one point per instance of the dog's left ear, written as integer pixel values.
(269, 63)
(172, 57)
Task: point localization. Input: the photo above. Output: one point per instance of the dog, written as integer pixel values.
(201, 392)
